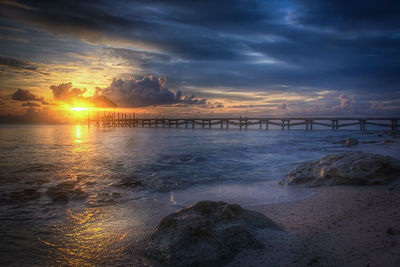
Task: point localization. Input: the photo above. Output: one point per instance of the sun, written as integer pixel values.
(79, 113)
(78, 109)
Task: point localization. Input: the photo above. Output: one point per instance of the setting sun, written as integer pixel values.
(77, 109)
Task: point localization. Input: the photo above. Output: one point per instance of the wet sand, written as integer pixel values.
(338, 226)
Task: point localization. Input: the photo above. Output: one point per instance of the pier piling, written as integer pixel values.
(108, 120)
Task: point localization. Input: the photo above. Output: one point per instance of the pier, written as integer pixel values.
(113, 120)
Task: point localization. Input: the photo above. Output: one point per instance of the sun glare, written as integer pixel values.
(77, 109)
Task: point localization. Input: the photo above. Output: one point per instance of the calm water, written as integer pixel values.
(80, 196)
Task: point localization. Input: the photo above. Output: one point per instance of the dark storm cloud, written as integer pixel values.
(66, 93)
(146, 91)
(136, 57)
(16, 63)
(30, 104)
(24, 95)
(339, 45)
(352, 15)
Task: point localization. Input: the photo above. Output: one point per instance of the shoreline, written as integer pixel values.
(336, 226)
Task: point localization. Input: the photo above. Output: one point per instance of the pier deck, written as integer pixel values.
(129, 120)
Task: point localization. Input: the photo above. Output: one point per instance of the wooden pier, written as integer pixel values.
(113, 120)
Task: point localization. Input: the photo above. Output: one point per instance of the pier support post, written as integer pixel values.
(362, 125)
(394, 124)
(266, 125)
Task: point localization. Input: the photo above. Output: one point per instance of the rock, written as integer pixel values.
(18, 197)
(351, 141)
(348, 142)
(349, 168)
(206, 233)
(65, 191)
(390, 231)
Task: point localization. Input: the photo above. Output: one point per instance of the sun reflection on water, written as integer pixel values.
(78, 134)
(87, 238)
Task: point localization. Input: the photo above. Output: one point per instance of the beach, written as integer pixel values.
(337, 226)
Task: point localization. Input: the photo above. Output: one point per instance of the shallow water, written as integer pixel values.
(80, 196)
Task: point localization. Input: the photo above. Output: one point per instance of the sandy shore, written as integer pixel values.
(338, 226)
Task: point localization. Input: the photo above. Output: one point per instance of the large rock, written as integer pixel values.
(206, 233)
(65, 191)
(348, 142)
(351, 142)
(349, 168)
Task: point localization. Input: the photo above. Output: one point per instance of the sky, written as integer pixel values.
(181, 58)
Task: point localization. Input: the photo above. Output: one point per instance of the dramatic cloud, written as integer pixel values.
(146, 91)
(282, 106)
(66, 93)
(135, 56)
(190, 100)
(346, 102)
(24, 95)
(31, 104)
(351, 15)
(292, 47)
(20, 65)
(16, 63)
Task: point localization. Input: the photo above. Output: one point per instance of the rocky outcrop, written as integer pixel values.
(206, 233)
(349, 168)
(351, 142)
(348, 142)
(65, 191)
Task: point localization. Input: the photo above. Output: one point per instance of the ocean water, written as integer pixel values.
(85, 196)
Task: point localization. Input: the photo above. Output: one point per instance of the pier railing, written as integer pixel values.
(129, 120)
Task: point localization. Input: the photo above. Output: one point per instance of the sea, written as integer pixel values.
(79, 195)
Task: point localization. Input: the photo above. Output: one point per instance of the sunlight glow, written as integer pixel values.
(77, 109)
